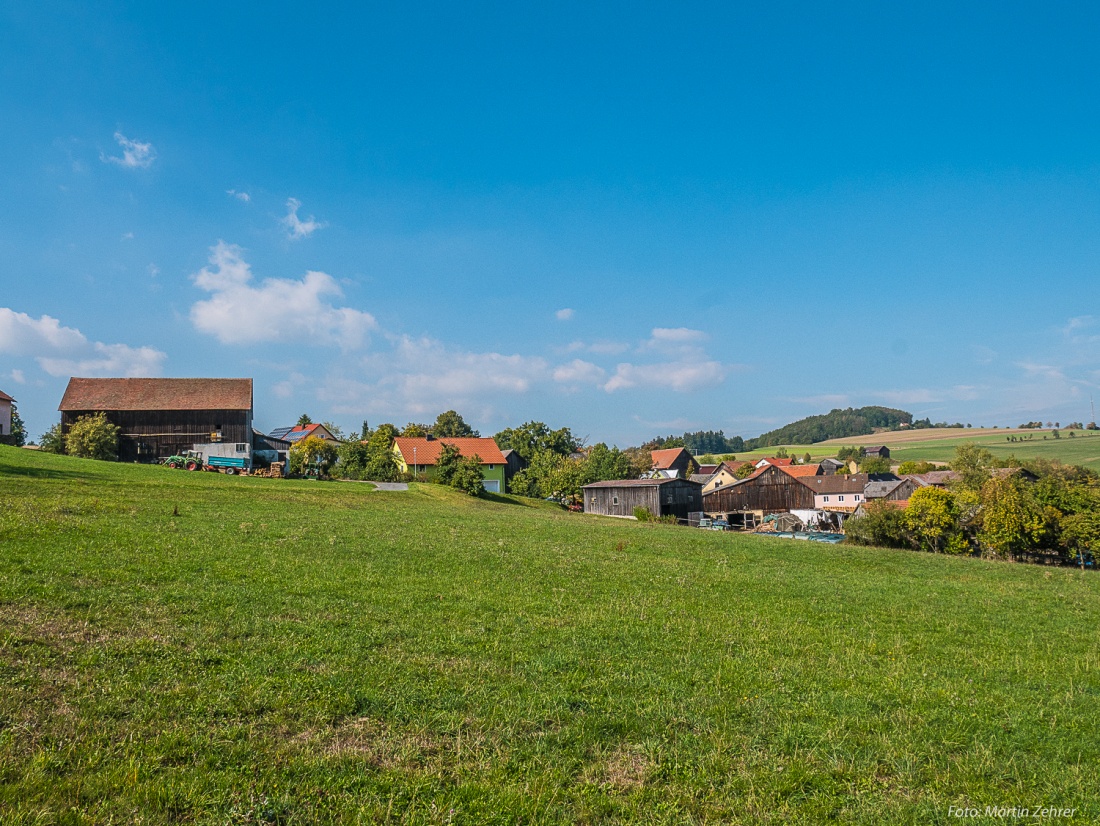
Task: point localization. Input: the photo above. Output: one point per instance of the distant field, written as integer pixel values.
(936, 444)
(193, 648)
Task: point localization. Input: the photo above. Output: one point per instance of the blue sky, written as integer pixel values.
(631, 219)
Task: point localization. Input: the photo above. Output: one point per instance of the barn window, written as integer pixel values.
(241, 448)
(614, 500)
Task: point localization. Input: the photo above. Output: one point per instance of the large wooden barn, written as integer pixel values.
(661, 497)
(160, 417)
(769, 490)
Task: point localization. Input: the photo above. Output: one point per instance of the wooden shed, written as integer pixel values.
(769, 490)
(661, 497)
(160, 417)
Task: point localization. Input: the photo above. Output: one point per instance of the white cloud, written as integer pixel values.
(127, 236)
(64, 351)
(279, 309)
(579, 372)
(423, 376)
(21, 335)
(679, 376)
(18, 377)
(295, 226)
(605, 348)
(240, 196)
(676, 335)
(107, 360)
(564, 314)
(135, 154)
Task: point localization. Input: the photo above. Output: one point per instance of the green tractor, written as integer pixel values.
(188, 459)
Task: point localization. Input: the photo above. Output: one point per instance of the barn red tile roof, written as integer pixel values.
(157, 394)
(664, 459)
(771, 460)
(428, 450)
(4, 397)
(801, 470)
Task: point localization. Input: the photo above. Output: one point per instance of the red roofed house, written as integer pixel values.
(5, 414)
(801, 470)
(161, 417)
(420, 455)
(771, 460)
(672, 463)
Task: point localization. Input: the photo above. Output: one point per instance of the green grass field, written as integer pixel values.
(194, 648)
(939, 446)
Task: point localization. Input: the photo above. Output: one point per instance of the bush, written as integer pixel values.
(874, 465)
(910, 467)
(93, 437)
(642, 514)
(467, 476)
(882, 525)
(312, 451)
(52, 441)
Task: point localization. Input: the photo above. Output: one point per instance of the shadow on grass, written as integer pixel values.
(40, 472)
(520, 501)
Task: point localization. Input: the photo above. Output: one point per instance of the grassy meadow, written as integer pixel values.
(196, 648)
(938, 445)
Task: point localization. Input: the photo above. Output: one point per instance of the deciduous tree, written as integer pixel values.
(93, 437)
(451, 424)
(933, 519)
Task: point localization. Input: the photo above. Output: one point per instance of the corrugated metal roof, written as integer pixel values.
(157, 394)
(638, 483)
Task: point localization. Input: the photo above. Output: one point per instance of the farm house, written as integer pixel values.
(161, 417)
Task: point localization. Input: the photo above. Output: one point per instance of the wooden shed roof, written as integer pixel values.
(640, 483)
(157, 394)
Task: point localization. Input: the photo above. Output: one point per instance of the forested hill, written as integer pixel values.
(836, 424)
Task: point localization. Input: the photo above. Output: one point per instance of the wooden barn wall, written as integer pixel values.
(602, 500)
(148, 435)
(903, 491)
(771, 492)
(676, 498)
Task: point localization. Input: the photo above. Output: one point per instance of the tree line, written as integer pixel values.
(985, 513)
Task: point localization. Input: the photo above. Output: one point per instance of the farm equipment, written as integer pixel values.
(217, 458)
(190, 459)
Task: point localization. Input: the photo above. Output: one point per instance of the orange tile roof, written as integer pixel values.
(157, 394)
(4, 397)
(801, 470)
(663, 459)
(427, 450)
(771, 460)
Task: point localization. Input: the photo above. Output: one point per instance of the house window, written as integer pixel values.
(841, 498)
(242, 448)
(826, 498)
(490, 467)
(857, 497)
